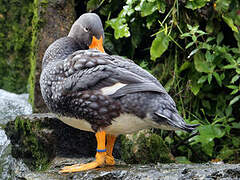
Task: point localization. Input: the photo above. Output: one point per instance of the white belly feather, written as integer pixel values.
(124, 124)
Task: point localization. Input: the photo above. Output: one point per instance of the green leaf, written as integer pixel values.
(202, 79)
(189, 27)
(222, 5)
(236, 125)
(159, 46)
(206, 104)
(210, 39)
(209, 57)
(195, 87)
(234, 91)
(200, 64)
(225, 153)
(235, 141)
(184, 66)
(205, 46)
(186, 35)
(235, 78)
(222, 76)
(207, 134)
(217, 77)
(194, 38)
(120, 27)
(182, 160)
(234, 100)
(189, 45)
(92, 5)
(208, 148)
(209, 78)
(232, 87)
(169, 84)
(230, 66)
(238, 71)
(146, 8)
(230, 23)
(228, 111)
(195, 4)
(219, 38)
(193, 52)
(161, 6)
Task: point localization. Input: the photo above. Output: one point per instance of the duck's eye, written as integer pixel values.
(86, 29)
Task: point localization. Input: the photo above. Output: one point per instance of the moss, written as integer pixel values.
(15, 38)
(145, 147)
(35, 27)
(29, 144)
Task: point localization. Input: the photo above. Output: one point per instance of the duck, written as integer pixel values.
(108, 95)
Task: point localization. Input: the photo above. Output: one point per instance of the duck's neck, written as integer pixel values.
(61, 49)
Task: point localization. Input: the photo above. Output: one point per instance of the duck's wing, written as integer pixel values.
(93, 70)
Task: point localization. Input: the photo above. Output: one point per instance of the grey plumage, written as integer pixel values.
(74, 79)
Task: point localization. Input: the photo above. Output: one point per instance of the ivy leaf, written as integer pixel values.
(201, 65)
(159, 46)
(230, 23)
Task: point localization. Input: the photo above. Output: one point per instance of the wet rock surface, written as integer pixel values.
(151, 171)
(12, 105)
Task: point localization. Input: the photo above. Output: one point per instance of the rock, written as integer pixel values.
(44, 143)
(52, 20)
(145, 147)
(12, 105)
(38, 138)
(150, 171)
(10, 167)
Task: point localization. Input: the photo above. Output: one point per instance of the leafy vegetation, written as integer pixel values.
(193, 48)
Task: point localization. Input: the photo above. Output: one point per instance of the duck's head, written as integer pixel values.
(88, 31)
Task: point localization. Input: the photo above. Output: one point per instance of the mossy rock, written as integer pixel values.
(145, 147)
(39, 138)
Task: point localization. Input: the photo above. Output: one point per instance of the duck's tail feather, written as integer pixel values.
(175, 121)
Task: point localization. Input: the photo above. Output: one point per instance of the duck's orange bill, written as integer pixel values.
(97, 44)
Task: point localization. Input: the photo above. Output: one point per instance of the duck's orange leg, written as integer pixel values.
(110, 144)
(100, 157)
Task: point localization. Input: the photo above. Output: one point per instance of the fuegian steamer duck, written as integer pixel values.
(105, 94)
